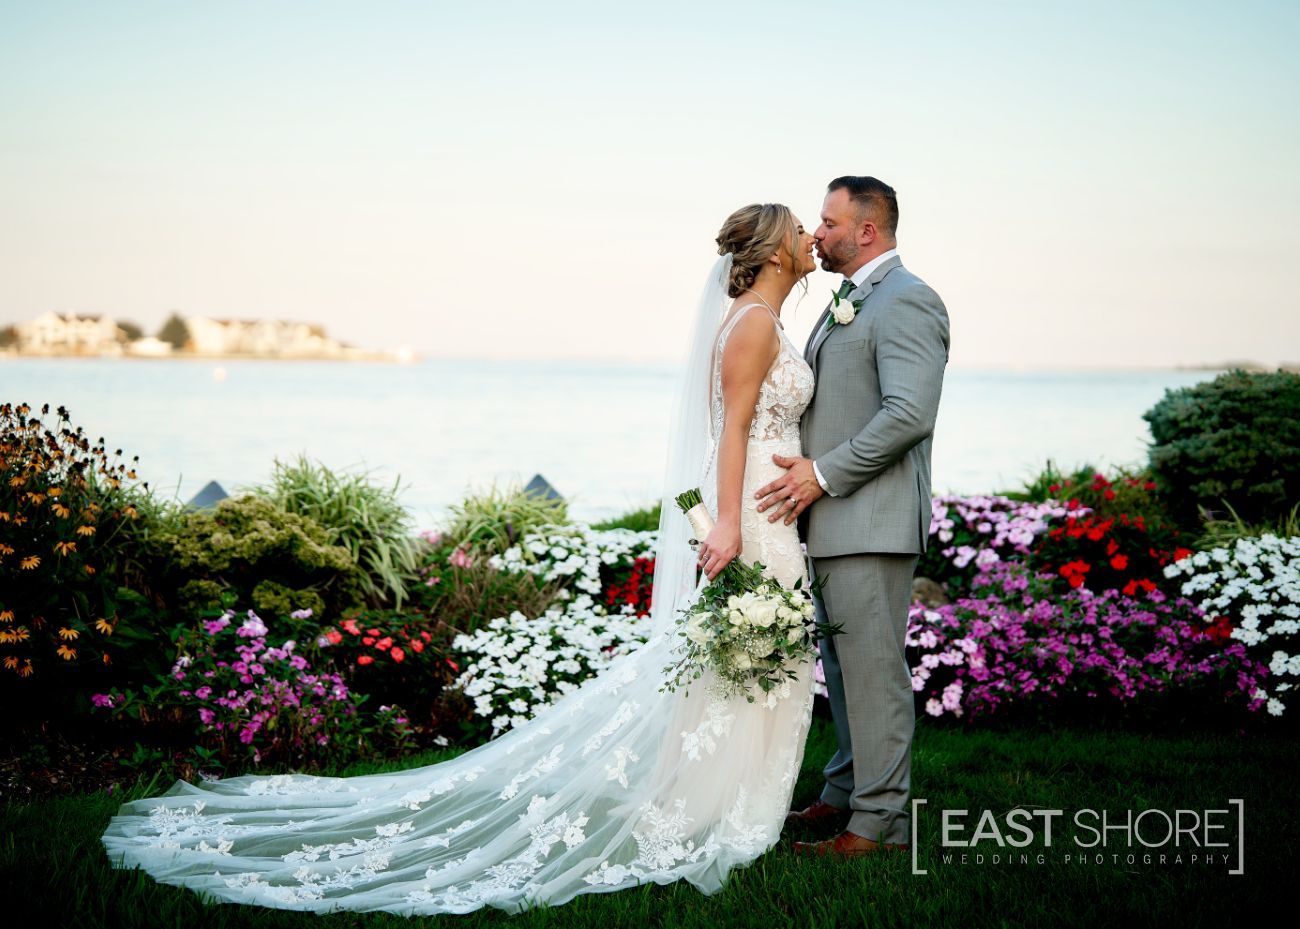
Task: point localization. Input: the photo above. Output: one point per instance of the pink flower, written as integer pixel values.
(460, 559)
(104, 700)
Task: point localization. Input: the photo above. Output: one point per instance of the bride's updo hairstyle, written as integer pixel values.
(752, 234)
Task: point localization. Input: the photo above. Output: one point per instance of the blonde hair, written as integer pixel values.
(752, 234)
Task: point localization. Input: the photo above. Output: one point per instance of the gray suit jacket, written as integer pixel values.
(870, 424)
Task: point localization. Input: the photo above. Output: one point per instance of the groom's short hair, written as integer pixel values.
(871, 195)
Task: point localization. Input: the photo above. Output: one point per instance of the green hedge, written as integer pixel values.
(1231, 442)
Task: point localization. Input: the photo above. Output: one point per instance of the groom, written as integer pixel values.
(879, 360)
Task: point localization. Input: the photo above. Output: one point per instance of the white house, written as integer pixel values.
(69, 333)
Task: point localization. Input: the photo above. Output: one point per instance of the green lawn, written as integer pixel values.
(53, 870)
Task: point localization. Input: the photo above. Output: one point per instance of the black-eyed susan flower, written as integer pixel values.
(68, 634)
(86, 530)
(104, 626)
(66, 653)
(27, 669)
(64, 548)
(30, 563)
(6, 616)
(60, 510)
(11, 662)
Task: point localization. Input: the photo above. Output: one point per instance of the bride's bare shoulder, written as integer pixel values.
(753, 341)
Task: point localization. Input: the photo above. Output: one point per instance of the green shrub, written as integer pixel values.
(642, 520)
(363, 517)
(465, 591)
(251, 548)
(1231, 442)
(1224, 533)
(487, 524)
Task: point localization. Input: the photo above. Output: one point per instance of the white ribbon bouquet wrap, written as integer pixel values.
(746, 628)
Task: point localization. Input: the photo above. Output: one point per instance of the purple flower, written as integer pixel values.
(302, 614)
(102, 700)
(253, 626)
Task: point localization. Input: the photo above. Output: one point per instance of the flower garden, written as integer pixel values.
(307, 625)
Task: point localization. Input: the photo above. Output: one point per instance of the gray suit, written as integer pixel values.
(869, 429)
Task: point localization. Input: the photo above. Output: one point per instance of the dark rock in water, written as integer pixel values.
(211, 494)
(542, 488)
(928, 592)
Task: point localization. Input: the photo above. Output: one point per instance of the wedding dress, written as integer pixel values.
(618, 784)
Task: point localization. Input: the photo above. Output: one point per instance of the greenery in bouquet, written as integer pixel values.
(744, 627)
(358, 514)
(1249, 593)
(245, 700)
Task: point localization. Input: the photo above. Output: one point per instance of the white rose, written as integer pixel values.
(742, 662)
(844, 311)
(697, 630)
(761, 613)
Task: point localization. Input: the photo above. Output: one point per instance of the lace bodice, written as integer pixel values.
(785, 394)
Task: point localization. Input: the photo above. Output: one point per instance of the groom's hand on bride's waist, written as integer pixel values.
(790, 495)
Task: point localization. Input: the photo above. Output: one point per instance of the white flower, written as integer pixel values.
(844, 311)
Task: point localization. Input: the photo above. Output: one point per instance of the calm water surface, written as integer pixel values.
(598, 432)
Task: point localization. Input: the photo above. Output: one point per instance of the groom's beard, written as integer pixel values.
(839, 257)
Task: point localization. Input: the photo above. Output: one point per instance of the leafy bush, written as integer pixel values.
(643, 520)
(488, 524)
(363, 517)
(68, 516)
(246, 700)
(465, 591)
(1234, 441)
(1220, 533)
(277, 561)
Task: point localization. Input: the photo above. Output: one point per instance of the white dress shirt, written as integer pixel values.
(859, 276)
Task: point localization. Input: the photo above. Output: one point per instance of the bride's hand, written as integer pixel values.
(717, 550)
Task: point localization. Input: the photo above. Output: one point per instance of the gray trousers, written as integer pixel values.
(870, 685)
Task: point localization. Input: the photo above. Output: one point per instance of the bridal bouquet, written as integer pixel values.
(745, 626)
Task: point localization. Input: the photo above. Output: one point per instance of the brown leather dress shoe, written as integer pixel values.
(847, 845)
(818, 813)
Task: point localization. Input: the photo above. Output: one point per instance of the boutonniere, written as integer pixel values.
(842, 310)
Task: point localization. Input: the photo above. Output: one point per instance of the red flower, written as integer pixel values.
(1053, 488)
(1150, 485)
(368, 640)
(1072, 505)
(385, 643)
(333, 636)
(455, 667)
(417, 646)
(372, 632)
(398, 655)
(1119, 562)
(1130, 588)
(350, 626)
(366, 659)
(1109, 494)
(1112, 547)
(1181, 553)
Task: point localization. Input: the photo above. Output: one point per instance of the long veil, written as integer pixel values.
(617, 784)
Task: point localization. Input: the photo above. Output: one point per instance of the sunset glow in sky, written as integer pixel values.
(1103, 184)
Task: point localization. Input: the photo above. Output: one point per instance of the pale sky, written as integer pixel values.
(1085, 184)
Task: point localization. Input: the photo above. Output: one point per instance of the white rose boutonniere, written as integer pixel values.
(843, 310)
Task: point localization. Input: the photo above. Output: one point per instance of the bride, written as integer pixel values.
(617, 784)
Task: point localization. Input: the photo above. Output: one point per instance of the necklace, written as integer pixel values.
(766, 304)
